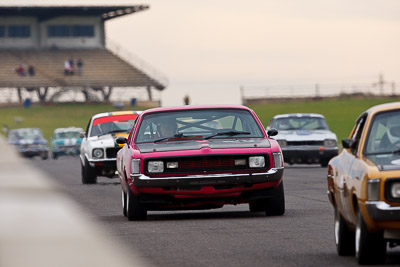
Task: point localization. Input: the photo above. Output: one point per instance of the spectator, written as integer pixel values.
(79, 64)
(186, 100)
(21, 70)
(31, 70)
(72, 65)
(67, 68)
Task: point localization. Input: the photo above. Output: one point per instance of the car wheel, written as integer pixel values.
(44, 155)
(344, 238)
(370, 247)
(276, 205)
(134, 210)
(123, 198)
(324, 163)
(259, 205)
(88, 173)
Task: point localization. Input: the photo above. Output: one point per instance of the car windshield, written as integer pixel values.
(299, 123)
(28, 134)
(383, 139)
(67, 135)
(197, 124)
(113, 124)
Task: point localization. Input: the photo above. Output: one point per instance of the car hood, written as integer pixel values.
(301, 135)
(67, 141)
(198, 144)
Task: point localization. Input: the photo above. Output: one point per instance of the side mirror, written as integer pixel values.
(348, 143)
(121, 140)
(272, 132)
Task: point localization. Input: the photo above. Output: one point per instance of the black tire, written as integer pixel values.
(257, 206)
(276, 206)
(370, 247)
(123, 198)
(344, 237)
(89, 175)
(324, 163)
(134, 210)
(44, 155)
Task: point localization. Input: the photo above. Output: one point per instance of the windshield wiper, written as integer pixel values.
(179, 135)
(230, 133)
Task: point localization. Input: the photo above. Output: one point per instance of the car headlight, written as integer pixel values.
(282, 142)
(278, 161)
(257, 162)
(330, 142)
(155, 166)
(135, 166)
(395, 190)
(373, 189)
(97, 153)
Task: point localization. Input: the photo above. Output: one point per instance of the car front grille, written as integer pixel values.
(111, 152)
(305, 143)
(208, 164)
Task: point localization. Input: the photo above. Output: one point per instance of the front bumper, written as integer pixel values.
(381, 211)
(272, 175)
(308, 154)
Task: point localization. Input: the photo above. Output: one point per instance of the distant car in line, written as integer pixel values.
(66, 141)
(364, 186)
(29, 142)
(305, 138)
(200, 157)
(98, 148)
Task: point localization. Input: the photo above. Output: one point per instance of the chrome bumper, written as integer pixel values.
(208, 179)
(381, 211)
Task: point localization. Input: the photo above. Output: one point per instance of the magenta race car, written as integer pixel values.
(200, 157)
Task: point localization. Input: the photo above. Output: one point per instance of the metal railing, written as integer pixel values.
(136, 61)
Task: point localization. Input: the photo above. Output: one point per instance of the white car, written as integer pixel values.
(305, 138)
(98, 148)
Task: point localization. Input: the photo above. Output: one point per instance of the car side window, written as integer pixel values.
(356, 136)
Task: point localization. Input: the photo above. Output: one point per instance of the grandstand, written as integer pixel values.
(45, 36)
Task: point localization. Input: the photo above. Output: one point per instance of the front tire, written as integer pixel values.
(370, 247)
(276, 205)
(134, 210)
(89, 175)
(344, 238)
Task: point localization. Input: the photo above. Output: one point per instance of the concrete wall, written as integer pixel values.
(39, 39)
(41, 227)
(78, 42)
(32, 41)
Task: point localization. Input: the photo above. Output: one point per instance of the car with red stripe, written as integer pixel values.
(98, 148)
(200, 157)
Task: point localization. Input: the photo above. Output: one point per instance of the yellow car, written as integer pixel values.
(364, 186)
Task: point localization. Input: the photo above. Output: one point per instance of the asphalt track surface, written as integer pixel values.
(230, 236)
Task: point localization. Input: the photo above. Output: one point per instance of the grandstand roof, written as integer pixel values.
(46, 10)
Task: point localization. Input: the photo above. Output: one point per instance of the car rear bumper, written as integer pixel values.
(381, 211)
(308, 154)
(272, 175)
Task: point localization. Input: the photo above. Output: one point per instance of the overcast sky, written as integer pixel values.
(218, 45)
(209, 47)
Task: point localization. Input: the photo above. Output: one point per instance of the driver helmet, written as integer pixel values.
(393, 126)
(167, 127)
